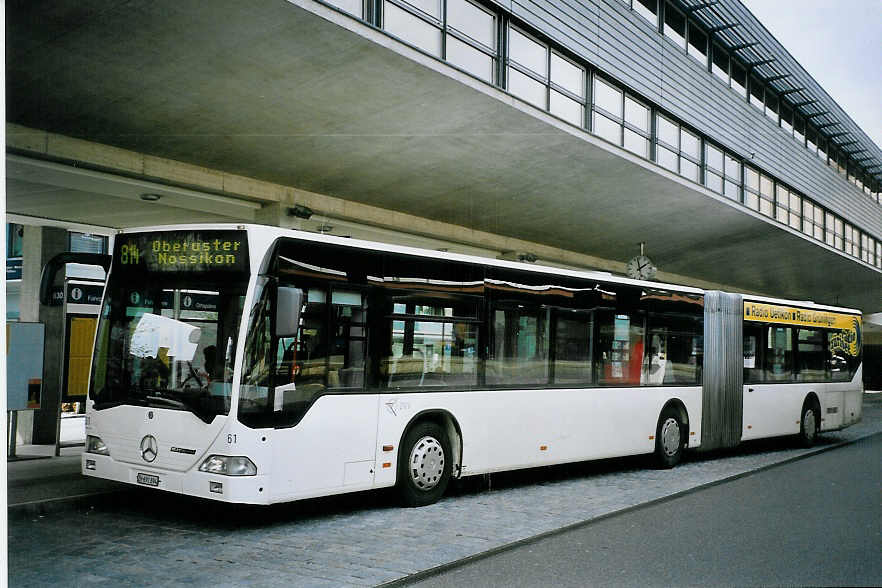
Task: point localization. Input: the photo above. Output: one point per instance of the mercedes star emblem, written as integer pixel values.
(149, 448)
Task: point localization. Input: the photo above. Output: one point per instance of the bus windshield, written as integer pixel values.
(167, 339)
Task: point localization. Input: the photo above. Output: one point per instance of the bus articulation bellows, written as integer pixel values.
(258, 365)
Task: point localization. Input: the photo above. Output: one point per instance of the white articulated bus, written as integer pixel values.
(259, 365)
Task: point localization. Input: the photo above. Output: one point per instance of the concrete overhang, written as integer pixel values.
(296, 94)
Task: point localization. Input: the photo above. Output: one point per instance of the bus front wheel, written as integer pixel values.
(423, 464)
(669, 437)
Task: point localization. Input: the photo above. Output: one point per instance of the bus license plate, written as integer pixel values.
(148, 479)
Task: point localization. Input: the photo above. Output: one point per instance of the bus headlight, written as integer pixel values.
(96, 445)
(228, 465)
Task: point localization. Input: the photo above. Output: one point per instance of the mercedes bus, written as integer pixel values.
(251, 364)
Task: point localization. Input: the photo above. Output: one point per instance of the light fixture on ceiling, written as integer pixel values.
(150, 197)
(300, 211)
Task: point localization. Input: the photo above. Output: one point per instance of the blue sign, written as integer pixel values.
(13, 269)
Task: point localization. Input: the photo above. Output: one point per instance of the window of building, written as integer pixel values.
(471, 39)
(637, 127)
(811, 141)
(86, 243)
(648, 9)
(812, 220)
(795, 213)
(851, 240)
(528, 69)
(787, 119)
(879, 254)
(822, 149)
(567, 90)
(675, 25)
(799, 129)
(781, 204)
(772, 106)
(713, 168)
(739, 78)
(528, 53)
(690, 155)
(788, 205)
(733, 177)
(756, 92)
(416, 22)
(866, 244)
(838, 233)
(677, 149)
(560, 90)
(667, 143)
(841, 163)
(697, 43)
(606, 121)
(751, 188)
(767, 195)
(720, 65)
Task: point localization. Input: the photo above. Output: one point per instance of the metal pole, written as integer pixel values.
(13, 433)
(61, 373)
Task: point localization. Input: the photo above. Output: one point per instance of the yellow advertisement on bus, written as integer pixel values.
(848, 326)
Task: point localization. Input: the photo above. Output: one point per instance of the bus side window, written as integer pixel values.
(810, 355)
(778, 358)
(753, 371)
(348, 340)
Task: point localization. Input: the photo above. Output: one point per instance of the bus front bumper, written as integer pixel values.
(237, 489)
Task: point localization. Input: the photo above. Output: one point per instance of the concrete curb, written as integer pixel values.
(36, 508)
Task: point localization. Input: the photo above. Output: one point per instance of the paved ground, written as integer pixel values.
(146, 537)
(812, 522)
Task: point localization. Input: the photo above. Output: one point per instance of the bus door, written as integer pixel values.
(328, 431)
(768, 375)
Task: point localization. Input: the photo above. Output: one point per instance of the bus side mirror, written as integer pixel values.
(289, 301)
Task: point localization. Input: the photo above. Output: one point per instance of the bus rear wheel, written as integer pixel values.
(808, 424)
(424, 464)
(669, 437)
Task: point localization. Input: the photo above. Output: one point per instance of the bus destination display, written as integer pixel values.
(182, 251)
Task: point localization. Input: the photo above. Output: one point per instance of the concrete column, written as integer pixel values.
(275, 214)
(39, 245)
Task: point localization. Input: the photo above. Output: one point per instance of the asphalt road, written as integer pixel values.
(814, 521)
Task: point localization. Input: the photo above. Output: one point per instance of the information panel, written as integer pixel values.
(24, 365)
(199, 252)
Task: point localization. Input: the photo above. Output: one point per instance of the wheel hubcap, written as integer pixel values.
(426, 463)
(670, 436)
(808, 424)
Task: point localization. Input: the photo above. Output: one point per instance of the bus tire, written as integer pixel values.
(424, 464)
(669, 435)
(809, 423)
